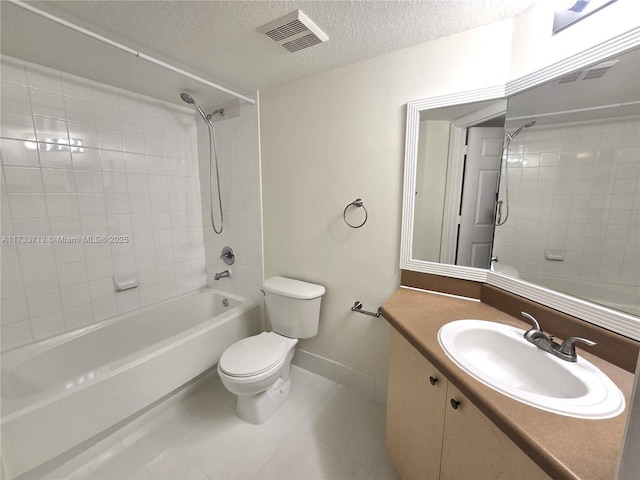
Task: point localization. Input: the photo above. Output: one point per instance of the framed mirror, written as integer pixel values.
(546, 244)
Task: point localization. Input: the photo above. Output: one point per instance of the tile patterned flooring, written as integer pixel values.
(325, 430)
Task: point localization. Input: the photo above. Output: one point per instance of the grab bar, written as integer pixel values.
(357, 307)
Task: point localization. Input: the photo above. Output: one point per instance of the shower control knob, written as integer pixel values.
(228, 256)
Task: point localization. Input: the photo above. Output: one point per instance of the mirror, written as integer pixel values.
(459, 154)
(571, 117)
(570, 189)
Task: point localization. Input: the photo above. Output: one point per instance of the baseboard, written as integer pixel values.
(367, 385)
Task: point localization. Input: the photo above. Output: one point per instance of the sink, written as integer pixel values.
(498, 356)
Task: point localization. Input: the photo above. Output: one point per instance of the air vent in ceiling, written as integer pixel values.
(591, 73)
(294, 31)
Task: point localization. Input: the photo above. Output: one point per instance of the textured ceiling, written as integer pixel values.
(218, 41)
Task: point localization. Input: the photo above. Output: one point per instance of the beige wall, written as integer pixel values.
(431, 182)
(333, 137)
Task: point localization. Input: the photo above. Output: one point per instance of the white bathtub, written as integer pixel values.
(62, 391)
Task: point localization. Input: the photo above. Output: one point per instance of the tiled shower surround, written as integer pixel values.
(80, 158)
(575, 188)
(237, 145)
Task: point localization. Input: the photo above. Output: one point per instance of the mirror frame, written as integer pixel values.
(615, 320)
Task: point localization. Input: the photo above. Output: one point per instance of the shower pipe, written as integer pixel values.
(213, 154)
(505, 162)
(129, 50)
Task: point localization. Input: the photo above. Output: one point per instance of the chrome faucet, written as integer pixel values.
(566, 351)
(225, 274)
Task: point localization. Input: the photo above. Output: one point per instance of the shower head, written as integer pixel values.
(514, 134)
(189, 99)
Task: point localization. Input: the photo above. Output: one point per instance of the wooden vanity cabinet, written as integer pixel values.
(427, 438)
(416, 398)
(473, 447)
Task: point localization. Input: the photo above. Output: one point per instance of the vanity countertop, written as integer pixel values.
(564, 447)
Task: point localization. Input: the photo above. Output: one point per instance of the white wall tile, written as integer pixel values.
(52, 156)
(48, 325)
(74, 295)
(83, 134)
(16, 152)
(23, 180)
(62, 204)
(39, 279)
(77, 317)
(14, 310)
(16, 334)
(586, 182)
(52, 131)
(13, 71)
(42, 303)
(99, 169)
(15, 98)
(47, 104)
(17, 125)
(27, 205)
(57, 180)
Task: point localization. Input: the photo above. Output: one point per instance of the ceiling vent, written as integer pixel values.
(294, 32)
(591, 73)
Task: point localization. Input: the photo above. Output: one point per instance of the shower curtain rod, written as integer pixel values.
(126, 49)
(577, 110)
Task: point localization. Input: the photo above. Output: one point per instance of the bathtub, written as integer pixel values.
(62, 391)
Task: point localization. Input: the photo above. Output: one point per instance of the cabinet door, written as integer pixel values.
(475, 449)
(415, 412)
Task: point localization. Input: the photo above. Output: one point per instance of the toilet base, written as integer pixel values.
(257, 408)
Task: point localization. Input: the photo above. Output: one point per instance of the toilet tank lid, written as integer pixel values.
(288, 287)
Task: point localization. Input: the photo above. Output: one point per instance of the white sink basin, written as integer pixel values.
(499, 356)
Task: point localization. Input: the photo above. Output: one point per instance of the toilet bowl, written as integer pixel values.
(256, 368)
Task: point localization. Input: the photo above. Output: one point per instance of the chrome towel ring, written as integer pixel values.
(356, 203)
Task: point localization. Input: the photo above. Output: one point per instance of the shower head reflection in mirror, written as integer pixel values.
(213, 158)
(508, 137)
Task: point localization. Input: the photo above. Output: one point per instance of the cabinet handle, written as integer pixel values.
(433, 380)
(455, 404)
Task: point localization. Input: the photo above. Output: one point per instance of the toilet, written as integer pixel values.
(256, 368)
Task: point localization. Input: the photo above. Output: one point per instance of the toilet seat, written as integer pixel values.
(255, 355)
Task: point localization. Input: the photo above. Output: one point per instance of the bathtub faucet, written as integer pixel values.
(226, 273)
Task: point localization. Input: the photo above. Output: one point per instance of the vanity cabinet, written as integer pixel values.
(416, 397)
(434, 431)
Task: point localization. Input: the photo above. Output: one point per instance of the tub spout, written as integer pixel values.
(226, 273)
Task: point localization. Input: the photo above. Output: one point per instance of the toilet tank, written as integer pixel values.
(293, 306)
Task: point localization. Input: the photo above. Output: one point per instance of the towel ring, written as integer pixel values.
(356, 203)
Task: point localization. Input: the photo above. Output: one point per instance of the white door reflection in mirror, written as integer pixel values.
(481, 173)
(440, 226)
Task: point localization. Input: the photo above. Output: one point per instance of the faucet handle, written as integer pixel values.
(568, 348)
(534, 322)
